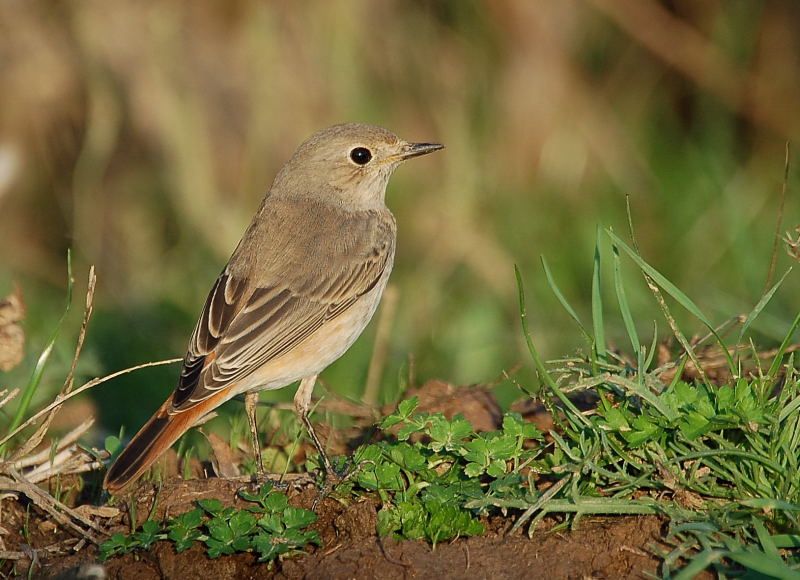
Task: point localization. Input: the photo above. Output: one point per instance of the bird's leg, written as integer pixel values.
(302, 405)
(250, 403)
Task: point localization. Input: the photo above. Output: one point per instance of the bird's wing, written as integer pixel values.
(246, 322)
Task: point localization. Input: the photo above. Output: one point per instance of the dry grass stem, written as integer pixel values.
(61, 399)
(6, 396)
(52, 550)
(674, 327)
(37, 437)
(60, 513)
(44, 455)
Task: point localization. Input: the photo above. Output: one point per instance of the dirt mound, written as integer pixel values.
(598, 548)
(351, 547)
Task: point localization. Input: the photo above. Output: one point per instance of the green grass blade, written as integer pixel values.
(760, 306)
(661, 280)
(699, 563)
(653, 347)
(768, 504)
(776, 362)
(770, 566)
(673, 291)
(36, 377)
(537, 360)
(563, 301)
(765, 539)
(789, 409)
(597, 303)
(523, 310)
(646, 394)
(624, 307)
(601, 506)
(785, 541)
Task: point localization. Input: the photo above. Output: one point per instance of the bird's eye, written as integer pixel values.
(360, 155)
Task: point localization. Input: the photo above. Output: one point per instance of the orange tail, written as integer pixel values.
(157, 435)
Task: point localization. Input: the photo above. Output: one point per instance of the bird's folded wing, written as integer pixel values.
(244, 326)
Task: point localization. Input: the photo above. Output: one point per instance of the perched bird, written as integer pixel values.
(301, 286)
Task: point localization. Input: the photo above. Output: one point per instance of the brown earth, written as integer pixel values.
(620, 547)
(598, 548)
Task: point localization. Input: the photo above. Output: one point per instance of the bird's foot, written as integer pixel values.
(344, 471)
(261, 478)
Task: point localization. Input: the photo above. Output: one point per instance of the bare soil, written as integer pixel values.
(598, 548)
(620, 547)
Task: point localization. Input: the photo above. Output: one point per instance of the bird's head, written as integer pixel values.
(348, 164)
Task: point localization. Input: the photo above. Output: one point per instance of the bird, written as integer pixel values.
(302, 284)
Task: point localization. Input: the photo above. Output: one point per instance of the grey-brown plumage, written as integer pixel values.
(298, 290)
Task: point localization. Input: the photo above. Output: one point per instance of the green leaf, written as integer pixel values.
(298, 518)
(473, 470)
(477, 451)
(766, 564)
(242, 523)
(149, 534)
(275, 502)
(615, 418)
(241, 544)
(259, 496)
(407, 457)
(694, 424)
(404, 411)
(642, 430)
(496, 468)
(151, 527)
(220, 530)
(388, 477)
(388, 521)
(266, 547)
(272, 523)
(213, 507)
(407, 431)
(502, 447)
(217, 548)
(189, 520)
(413, 518)
(448, 434)
(515, 426)
(117, 544)
(184, 539)
(440, 494)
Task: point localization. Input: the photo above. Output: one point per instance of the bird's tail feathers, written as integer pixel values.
(158, 434)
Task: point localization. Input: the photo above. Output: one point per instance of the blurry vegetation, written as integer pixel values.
(144, 135)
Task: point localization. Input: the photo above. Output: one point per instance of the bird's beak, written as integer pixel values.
(416, 149)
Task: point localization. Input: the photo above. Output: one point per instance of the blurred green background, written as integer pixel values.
(142, 134)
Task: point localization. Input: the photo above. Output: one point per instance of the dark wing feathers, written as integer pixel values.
(252, 318)
(222, 304)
